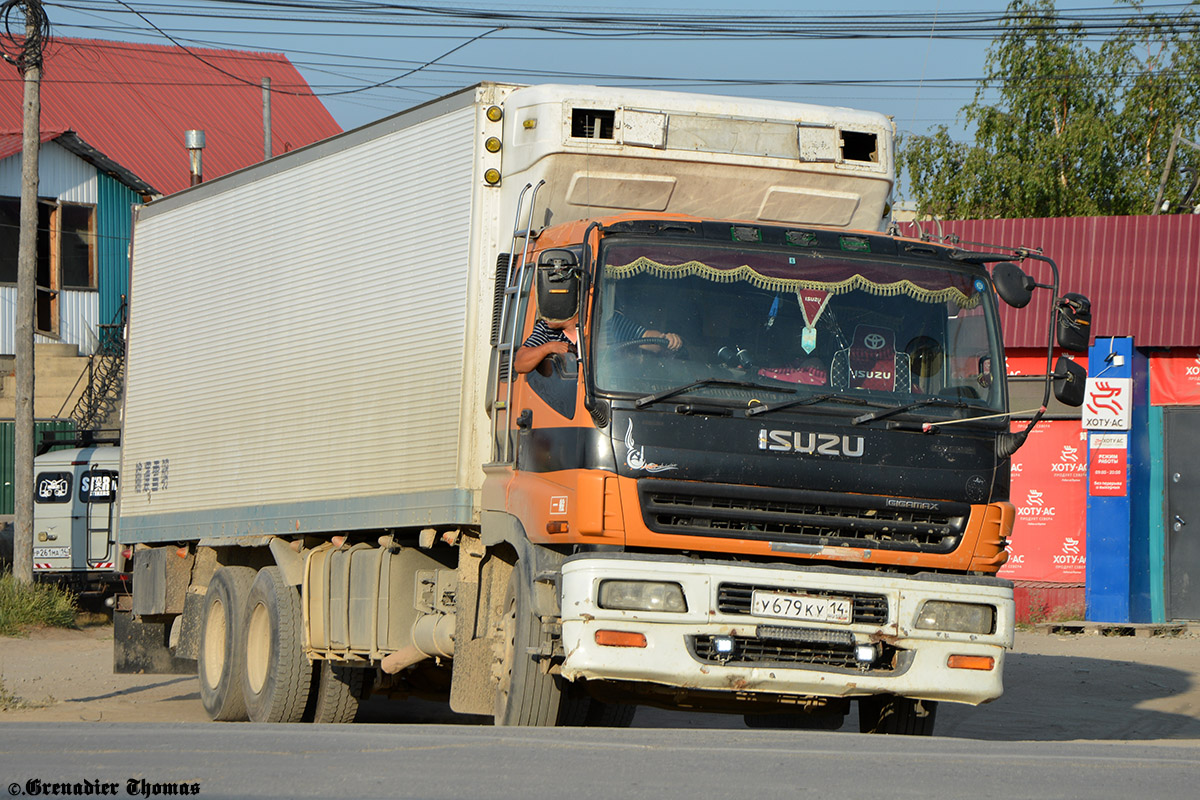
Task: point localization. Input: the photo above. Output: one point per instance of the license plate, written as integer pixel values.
(807, 607)
(51, 552)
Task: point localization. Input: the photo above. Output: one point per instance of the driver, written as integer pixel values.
(622, 329)
(548, 338)
(559, 336)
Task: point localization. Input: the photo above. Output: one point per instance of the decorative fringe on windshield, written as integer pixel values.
(645, 266)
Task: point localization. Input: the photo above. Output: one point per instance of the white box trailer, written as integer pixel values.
(308, 337)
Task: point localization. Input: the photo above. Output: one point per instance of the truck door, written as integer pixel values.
(97, 495)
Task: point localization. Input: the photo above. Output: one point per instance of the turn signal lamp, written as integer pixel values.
(492, 144)
(620, 638)
(985, 663)
(941, 615)
(492, 176)
(495, 113)
(641, 596)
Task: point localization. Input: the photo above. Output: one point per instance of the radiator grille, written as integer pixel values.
(868, 609)
(821, 519)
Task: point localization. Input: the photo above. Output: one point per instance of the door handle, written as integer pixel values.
(1179, 523)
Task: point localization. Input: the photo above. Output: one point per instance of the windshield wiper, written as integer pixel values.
(649, 399)
(808, 401)
(871, 416)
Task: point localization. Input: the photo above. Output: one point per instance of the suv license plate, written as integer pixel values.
(51, 552)
(807, 607)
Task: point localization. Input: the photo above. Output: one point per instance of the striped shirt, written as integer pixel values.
(620, 329)
(543, 333)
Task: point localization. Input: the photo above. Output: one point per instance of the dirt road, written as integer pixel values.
(1058, 688)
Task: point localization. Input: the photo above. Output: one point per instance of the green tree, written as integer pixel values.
(1076, 130)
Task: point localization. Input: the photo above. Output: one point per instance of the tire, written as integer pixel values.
(338, 691)
(886, 713)
(580, 710)
(815, 721)
(525, 694)
(222, 655)
(277, 677)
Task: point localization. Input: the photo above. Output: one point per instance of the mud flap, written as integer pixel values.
(143, 648)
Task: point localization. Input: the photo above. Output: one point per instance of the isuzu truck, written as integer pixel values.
(765, 471)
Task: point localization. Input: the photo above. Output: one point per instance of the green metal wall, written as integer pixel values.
(114, 224)
(8, 454)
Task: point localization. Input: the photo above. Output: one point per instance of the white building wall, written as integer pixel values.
(61, 174)
(66, 177)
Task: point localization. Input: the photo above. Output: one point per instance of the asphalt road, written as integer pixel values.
(439, 761)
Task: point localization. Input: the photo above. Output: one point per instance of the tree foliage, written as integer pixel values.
(1078, 128)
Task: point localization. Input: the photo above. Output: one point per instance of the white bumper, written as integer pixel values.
(912, 663)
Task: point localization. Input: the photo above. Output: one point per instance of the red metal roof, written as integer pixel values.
(11, 143)
(1142, 274)
(133, 102)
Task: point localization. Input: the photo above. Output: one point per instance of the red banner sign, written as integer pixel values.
(1175, 378)
(1049, 476)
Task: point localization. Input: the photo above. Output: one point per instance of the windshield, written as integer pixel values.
(795, 324)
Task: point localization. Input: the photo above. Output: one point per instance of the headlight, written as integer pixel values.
(641, 596)
(939, 615)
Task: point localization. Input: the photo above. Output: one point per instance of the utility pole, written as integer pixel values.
(266, 84)
(1176, 140)
(29, 63)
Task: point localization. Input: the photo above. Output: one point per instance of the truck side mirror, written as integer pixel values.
(557, 284)
(1074, 326)
(1069, 382)
(1012, 284)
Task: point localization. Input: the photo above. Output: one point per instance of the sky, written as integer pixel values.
(918, 65)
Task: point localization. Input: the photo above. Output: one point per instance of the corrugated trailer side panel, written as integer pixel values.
(297, 342)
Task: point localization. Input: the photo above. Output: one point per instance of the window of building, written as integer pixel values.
(66, 252)
(77, 245)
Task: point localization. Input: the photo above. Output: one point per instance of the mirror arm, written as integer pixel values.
(587, 268)
(1050, 331)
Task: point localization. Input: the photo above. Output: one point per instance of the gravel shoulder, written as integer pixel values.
(1058, 688)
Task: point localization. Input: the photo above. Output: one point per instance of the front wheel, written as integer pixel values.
(580, 710)
(526, 694)
(886, 713)
(830, 718)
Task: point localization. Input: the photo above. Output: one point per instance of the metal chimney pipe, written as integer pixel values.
(195, 145)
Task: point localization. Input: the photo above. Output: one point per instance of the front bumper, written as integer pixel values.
(780, 656)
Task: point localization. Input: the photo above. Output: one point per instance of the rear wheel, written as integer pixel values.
(525, 694)
(886, 713)
(277, 677)
(339, 690)
(222, 652)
